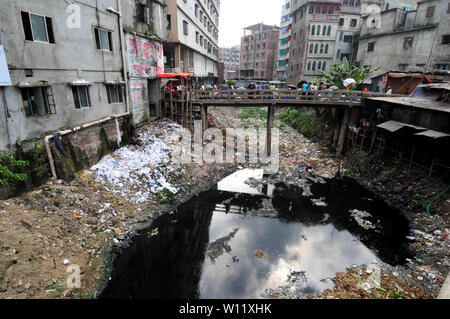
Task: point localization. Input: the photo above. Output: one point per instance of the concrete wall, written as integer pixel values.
(396, 25)
(131, 20)
(73, 56)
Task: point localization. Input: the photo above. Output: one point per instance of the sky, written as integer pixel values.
(238, 14)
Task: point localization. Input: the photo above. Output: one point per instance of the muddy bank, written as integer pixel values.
(86, 221)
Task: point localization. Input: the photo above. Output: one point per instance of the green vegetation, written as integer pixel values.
(230, 82)
(165, 197)
(252, 112)
(303, 121)
(341, 71)
(10, 169)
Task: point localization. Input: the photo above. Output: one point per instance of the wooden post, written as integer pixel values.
(171, 104)
(362, 140)
(412, 154)
(336, 129)
(432, 164)
(204, 113)
(270, 116)
(344, 124)
(374, 137)
(191, 88)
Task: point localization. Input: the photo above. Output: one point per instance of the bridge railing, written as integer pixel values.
(308, 96)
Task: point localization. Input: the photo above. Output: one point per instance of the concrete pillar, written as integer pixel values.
(336, 129)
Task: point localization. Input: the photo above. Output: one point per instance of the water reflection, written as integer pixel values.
(207, 248)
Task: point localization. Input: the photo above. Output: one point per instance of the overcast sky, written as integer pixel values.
(237, 14)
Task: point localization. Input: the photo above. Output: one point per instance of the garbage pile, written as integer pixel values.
(137, 171)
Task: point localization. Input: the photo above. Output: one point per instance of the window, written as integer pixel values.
(318, 30)
(314, 65)
(311, 9)
(311, 48)
(144, 13)
(324, 10)
(402, 67)
(115, 93)
(324, 30)
(321, 49)
(103, 39)
(338, 54)
(408, 43)
(353, 23)
(329, 30)
(326, 48)
(341, 36)
(37, 28)
(313, 30)
(36, 101)
(324, 66)
(309, 66)
(430, 12)
(319, 65)
(446, 39)
(185, 27)
(348, 38)
(341, 22)
(81, 96)
(316, 48)
(331, 10)
(169, 22)
(370, 46)
(317, 9)
(196, 10)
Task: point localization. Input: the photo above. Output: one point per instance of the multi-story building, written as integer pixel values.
(258, 51)
(348, 28)
(284, 42)
(193, 38)
(69, 64)
(231, 60)
(145, 26)
(407, 40)
(313, 42)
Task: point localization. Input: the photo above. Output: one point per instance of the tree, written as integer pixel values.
(341, 71)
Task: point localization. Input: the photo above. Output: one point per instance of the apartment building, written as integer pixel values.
(349, 26)
(284, 42)
(231, 60)
(408, 41)
(145, 30)
(193, 38)
(313, 42)
(259, 47)
(70, 63)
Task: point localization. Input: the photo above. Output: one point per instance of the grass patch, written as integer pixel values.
(252, 112)
(302, 121)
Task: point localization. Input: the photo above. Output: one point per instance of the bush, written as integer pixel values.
(10, 170)
(304, 122)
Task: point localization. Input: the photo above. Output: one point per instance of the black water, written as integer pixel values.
(320, 240)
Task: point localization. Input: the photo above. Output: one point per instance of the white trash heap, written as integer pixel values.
(137, 171)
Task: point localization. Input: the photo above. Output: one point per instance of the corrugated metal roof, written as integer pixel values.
(393, 126)
(433, 134)
(415, 102)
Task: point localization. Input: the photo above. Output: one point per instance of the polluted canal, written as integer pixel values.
(247, 238)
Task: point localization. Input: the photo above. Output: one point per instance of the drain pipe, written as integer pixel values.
(127, 103)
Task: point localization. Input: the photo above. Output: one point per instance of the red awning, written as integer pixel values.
(174, 75)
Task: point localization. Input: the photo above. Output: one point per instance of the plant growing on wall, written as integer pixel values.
(8, 169)
(341, 71)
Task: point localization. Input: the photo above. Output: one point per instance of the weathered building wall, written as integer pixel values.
(73, 56)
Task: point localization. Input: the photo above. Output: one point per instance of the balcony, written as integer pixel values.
(350, 9)
(325, 17)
